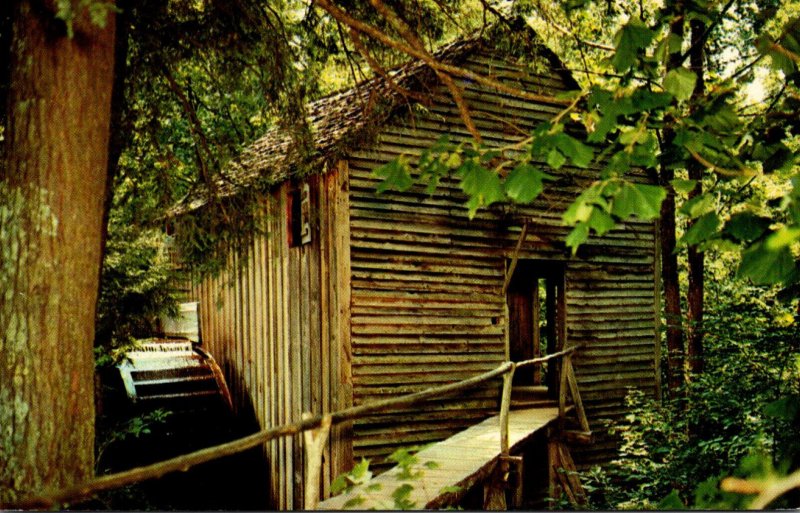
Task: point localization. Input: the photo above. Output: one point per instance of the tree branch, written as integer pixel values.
(766, 492)
(701, 40)
(376, 34)
(406, 33)
(378, 69)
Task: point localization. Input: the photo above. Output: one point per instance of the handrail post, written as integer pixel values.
(494, 490)
(562, 391)
(505, 406)
(576, 396)
(315, 444)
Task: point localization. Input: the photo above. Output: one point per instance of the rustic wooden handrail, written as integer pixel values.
(185, 462)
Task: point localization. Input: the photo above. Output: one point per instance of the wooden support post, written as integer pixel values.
(494, 489)
(562, 393)
(576, 395)
(515, 486)
(562, 474)
(505, 406)
(315, 445)
(573, 484)
(553, 488)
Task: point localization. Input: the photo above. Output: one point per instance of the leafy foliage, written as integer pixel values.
(738, 418)
(134, 427)
(137, 286)
(410, 470)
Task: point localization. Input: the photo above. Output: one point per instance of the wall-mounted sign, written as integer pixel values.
(305, 214)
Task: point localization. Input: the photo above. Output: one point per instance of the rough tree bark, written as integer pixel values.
(669, 260)
(52, 185)
(696, 259)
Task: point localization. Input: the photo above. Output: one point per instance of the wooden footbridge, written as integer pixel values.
(486, 453)
(455, 465)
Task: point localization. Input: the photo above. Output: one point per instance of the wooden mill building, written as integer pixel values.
(354, 296)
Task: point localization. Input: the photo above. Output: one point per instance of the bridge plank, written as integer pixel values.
(462, 460)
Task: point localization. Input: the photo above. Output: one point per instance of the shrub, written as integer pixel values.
(742, 407)
(136, 287)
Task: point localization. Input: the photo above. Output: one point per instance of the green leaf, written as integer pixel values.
(789, 41)
(629, 41)
(641, 200)
(577, 236)
(680, 83)
(683, 186)
(354, 502)
(431, 465)
(672, 501)
(600, 221)
(782, 238)
(395, 175)
(698, 206)
(449, 489)
(702, 229)
(787, 408)
(555, 159)
(339, 484)
(580, 154)
(646, 100)
(764, 266)
(746, 227)
(578, 211)
(581, 208)
(723, 119)
(481, 185)
(524, 183)
(401, 497)
(361, 469)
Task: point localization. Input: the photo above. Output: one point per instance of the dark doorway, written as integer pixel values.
(536, 320)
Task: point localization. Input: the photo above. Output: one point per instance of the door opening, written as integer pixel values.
(536, 321)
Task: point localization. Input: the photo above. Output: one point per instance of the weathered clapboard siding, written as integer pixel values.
(427, 302)
(401, 291)
(273, 319)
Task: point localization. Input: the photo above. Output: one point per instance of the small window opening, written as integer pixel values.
(299, 215)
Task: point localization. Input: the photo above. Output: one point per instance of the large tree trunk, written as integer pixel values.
(52, 187)
(696, 259)
(669, 260)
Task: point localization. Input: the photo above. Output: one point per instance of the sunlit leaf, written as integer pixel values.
(580, 154)
(746, 227)
(702, 229)
(481, 185)
(764, 266)
(683, 186)
(671, 502)
(679, 82)
(629, 41)
(641, 200)
(577, 236)
(524, 183)
(697, 206)
(555, 158)
(784, 237)
(395, 175)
